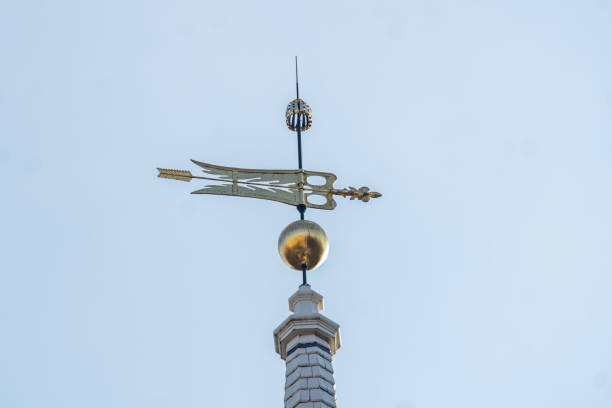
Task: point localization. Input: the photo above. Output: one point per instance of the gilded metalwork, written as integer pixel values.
(362, 193)
(293, 187)
(298, 115)
(303, 242)
(302, 245)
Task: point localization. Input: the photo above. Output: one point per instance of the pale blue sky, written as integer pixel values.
(481, 279)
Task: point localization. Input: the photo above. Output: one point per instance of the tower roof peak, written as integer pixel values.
(305, 300)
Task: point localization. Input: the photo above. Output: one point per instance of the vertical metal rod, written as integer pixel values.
(302, 207)
(299, 116)
(297, 88)
(299, 140)
(299, 119)
(304, 275)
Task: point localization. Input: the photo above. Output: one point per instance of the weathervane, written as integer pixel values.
(303, 244)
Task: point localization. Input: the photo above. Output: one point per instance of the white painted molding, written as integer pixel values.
(307, 340)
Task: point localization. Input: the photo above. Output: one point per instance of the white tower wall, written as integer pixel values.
(307, 340)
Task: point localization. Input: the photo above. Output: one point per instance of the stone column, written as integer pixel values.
(307, 340)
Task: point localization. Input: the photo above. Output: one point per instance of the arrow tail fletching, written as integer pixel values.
(182, 175)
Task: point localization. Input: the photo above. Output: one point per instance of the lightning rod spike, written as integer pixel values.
(297, 88)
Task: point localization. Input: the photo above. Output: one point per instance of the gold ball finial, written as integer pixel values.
(303, 242)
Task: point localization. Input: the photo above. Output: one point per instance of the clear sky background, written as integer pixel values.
(482, 278)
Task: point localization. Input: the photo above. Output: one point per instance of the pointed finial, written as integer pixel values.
(298, 115)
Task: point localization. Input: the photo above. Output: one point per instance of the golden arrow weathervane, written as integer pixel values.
(303, 244)
(286, 186)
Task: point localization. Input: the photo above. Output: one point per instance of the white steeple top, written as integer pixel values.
(307, 340)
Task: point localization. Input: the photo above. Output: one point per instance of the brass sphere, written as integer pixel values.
(303, 242)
